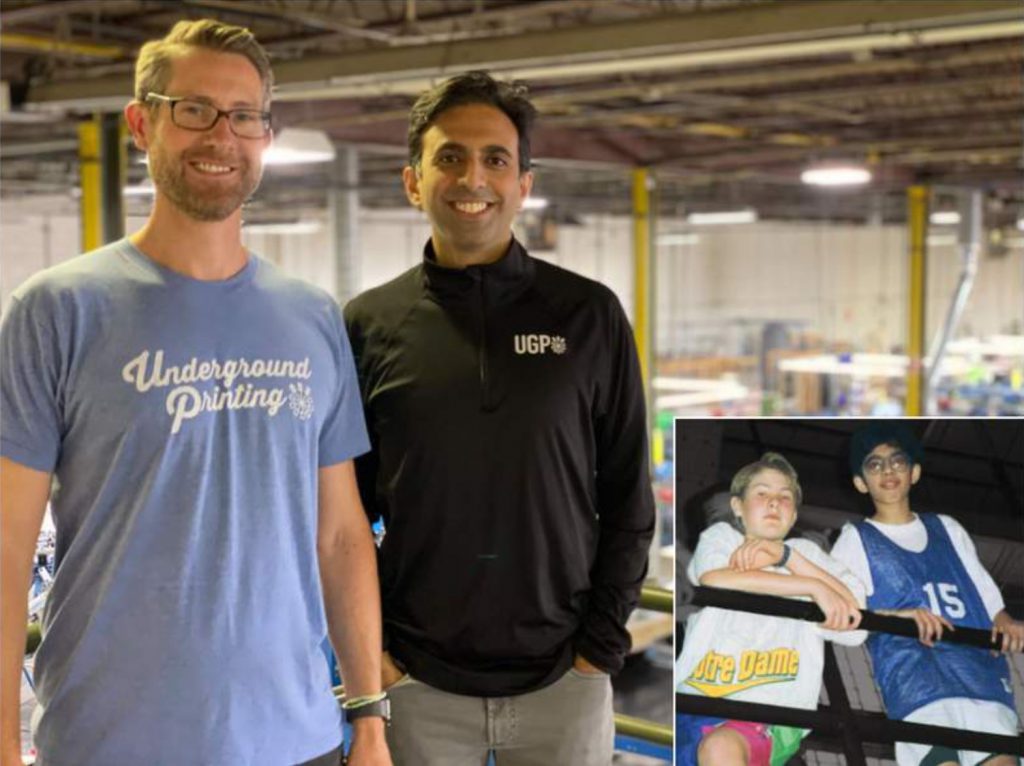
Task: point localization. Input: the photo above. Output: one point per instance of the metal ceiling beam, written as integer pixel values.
(767, 32)
(50, 10)
(1009, 79)
(58, 46)
(346, 26)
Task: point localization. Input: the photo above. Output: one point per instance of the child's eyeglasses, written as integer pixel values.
(897, 462)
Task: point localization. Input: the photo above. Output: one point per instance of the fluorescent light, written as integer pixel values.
(667, 240)
(945, 218)
(304, 226)
(534, 203)
(941, 240)
(144, 189)
(836, 175)
(1020, 223)
(722, 217)
(294, 146)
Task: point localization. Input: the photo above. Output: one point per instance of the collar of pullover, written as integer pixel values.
(501, 281)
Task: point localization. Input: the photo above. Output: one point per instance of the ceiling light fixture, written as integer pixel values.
(301, 226)
(723, 217)
(836, 175)
(944, 218)
(144, 189)
(534, 203)
(668, 240)
(294, 146)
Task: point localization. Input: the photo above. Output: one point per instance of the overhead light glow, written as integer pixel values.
(945, 218)
(294, 146)
(1020, 223)
(668, 240)
(836, 175)
(144, 189)
(723, 217)
(941, 240)
(302, 226)
(534, 203)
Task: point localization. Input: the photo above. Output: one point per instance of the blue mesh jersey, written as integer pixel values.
(909, 674)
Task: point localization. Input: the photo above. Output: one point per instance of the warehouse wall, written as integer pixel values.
(843, 283)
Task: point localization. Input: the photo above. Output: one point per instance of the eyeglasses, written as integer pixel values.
(198, 115)
(897, 462)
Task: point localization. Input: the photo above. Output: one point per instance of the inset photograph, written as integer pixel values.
(852, 592)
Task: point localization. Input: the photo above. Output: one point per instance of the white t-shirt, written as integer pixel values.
(914, 537)
(750, 657)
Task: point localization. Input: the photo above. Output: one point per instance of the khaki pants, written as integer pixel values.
(568, 723)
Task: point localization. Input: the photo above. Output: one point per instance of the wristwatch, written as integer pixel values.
(381, 709)
(786, 551)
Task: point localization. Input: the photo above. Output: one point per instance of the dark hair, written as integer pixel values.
(476, 87)
(894, 434)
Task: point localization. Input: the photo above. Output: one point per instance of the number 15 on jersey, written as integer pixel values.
(944, 600)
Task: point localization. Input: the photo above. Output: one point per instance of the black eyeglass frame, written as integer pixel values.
(173, 101)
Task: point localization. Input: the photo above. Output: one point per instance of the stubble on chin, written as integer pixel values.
(169, 177)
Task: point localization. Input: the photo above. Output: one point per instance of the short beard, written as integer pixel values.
(169, 177)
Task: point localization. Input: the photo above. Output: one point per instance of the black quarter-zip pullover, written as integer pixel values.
(509, 464)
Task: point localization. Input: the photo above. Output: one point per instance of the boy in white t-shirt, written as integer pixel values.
(753, 658)
(924, 567)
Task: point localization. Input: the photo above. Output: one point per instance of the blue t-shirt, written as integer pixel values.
(909, 674)
(184, 422)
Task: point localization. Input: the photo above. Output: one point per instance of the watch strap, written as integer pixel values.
(380, 709)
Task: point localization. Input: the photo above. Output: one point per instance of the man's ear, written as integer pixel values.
(138, 118)
(411, 182)
(525, 186)
(915, 474)
(860, 484)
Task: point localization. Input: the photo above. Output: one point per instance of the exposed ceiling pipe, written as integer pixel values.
(348, 87)
(970, 236)
(350, 27)
(50, 10)
(691, 41)
(40, 44)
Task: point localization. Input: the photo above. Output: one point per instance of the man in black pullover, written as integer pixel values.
(509, 463)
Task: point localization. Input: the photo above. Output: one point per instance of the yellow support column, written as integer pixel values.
(917, 222)
(642, 270)
(102, 170)
(90, 172)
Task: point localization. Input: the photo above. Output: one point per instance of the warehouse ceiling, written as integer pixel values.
(726, 101)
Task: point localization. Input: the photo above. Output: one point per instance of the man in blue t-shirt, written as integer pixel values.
(924, 567)
(191, 415)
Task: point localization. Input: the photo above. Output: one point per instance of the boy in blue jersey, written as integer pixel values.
(924, 567)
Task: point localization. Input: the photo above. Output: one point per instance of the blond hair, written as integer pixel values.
(774, 461)
(153, 66)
